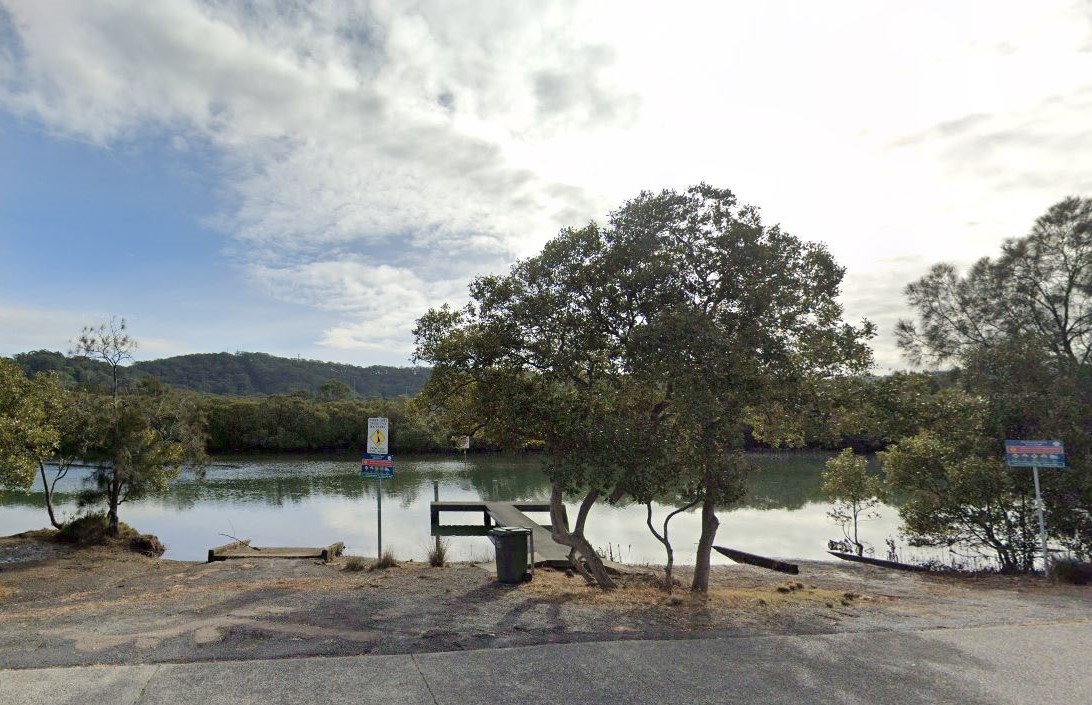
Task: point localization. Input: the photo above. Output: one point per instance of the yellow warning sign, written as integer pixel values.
(377, 435)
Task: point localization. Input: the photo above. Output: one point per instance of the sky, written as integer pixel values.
(309, 178)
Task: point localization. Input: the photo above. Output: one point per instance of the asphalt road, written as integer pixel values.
(1038, 664)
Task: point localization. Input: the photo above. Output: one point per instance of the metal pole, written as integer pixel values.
(379, 515)
(1042, 523)
(436, 498)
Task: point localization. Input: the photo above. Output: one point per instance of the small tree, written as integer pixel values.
(110, 343)
(856, 494)
(145, 437)
(151, 435)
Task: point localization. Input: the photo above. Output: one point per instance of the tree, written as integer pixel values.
(668, 323)
(80, 423)
(855, 492)
(150, 435)
(957, 492)
(334, 390)
(110, 343)
(1040, 287)
(144, 438)
(1020, 328)
(27, 432)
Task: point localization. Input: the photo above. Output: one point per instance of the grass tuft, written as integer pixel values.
(355, 564)
(385, 561)
(437, 555)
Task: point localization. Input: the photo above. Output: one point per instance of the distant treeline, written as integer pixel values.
(239, 374)
(283, 423)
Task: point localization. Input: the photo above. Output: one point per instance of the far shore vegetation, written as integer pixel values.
(684, 315)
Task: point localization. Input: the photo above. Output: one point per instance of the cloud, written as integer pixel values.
(396, 149)
(396, 134)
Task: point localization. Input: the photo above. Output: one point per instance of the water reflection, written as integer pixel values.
(295, 500)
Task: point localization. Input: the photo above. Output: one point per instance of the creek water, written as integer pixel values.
(317, 500)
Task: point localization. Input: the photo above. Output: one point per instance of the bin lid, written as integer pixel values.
(508, 530)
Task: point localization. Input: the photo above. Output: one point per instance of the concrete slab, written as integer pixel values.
(84, 685)
(390, 680)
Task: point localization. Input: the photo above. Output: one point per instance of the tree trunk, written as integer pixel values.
(113, 497)
(709, 525)
(48, 498)
(575, 539)
(669, 581)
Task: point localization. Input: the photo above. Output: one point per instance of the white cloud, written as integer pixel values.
(394, 149)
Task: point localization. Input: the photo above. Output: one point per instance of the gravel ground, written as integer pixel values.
(60, 606)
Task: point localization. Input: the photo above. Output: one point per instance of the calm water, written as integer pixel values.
(314, 501)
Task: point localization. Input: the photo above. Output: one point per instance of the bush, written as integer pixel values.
(354, 564)
(437, 555)
(1071, 572)
(385, 561)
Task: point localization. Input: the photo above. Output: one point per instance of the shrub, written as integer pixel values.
(385, 561)
(1071, 572)
(437, 555)
(354, 564)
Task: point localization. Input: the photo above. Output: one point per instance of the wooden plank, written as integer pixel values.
(878, 562)
(759, 561)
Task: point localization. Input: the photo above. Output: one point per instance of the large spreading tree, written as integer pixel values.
(639, 350)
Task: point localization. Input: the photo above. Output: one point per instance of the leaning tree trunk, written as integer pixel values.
(709, 525)
(575, 539)
(48, 498)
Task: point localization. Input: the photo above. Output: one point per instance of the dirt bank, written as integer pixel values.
(61, 606)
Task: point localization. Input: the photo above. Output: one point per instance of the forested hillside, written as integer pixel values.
(240, 374)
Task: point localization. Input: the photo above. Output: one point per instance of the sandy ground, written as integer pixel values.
(60, 606)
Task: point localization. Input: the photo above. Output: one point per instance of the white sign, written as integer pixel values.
(377, 435)
(462, 442)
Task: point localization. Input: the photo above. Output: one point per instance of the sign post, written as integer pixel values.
(378, 463)
(1036, 454)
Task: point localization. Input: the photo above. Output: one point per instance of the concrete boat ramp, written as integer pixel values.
(243, 549)
(547, 551)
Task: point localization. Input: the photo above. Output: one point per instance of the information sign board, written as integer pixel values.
(1041, 454)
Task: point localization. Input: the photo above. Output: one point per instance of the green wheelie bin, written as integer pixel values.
(511, 543)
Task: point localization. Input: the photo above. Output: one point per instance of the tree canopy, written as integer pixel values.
(1019, 327)
(634, 349)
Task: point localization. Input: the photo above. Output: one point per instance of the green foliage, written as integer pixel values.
(1020, 327)
(855, 492)
(293, 423)
(27, 430)
(670, 323)
(957, 491)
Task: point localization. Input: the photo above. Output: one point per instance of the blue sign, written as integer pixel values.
(378, 465)
(1040, 454)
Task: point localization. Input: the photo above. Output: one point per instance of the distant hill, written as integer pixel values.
(239, 374)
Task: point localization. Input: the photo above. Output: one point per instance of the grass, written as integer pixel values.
(641, 592)
(385, 561)
(355, 564)
(437, 554)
